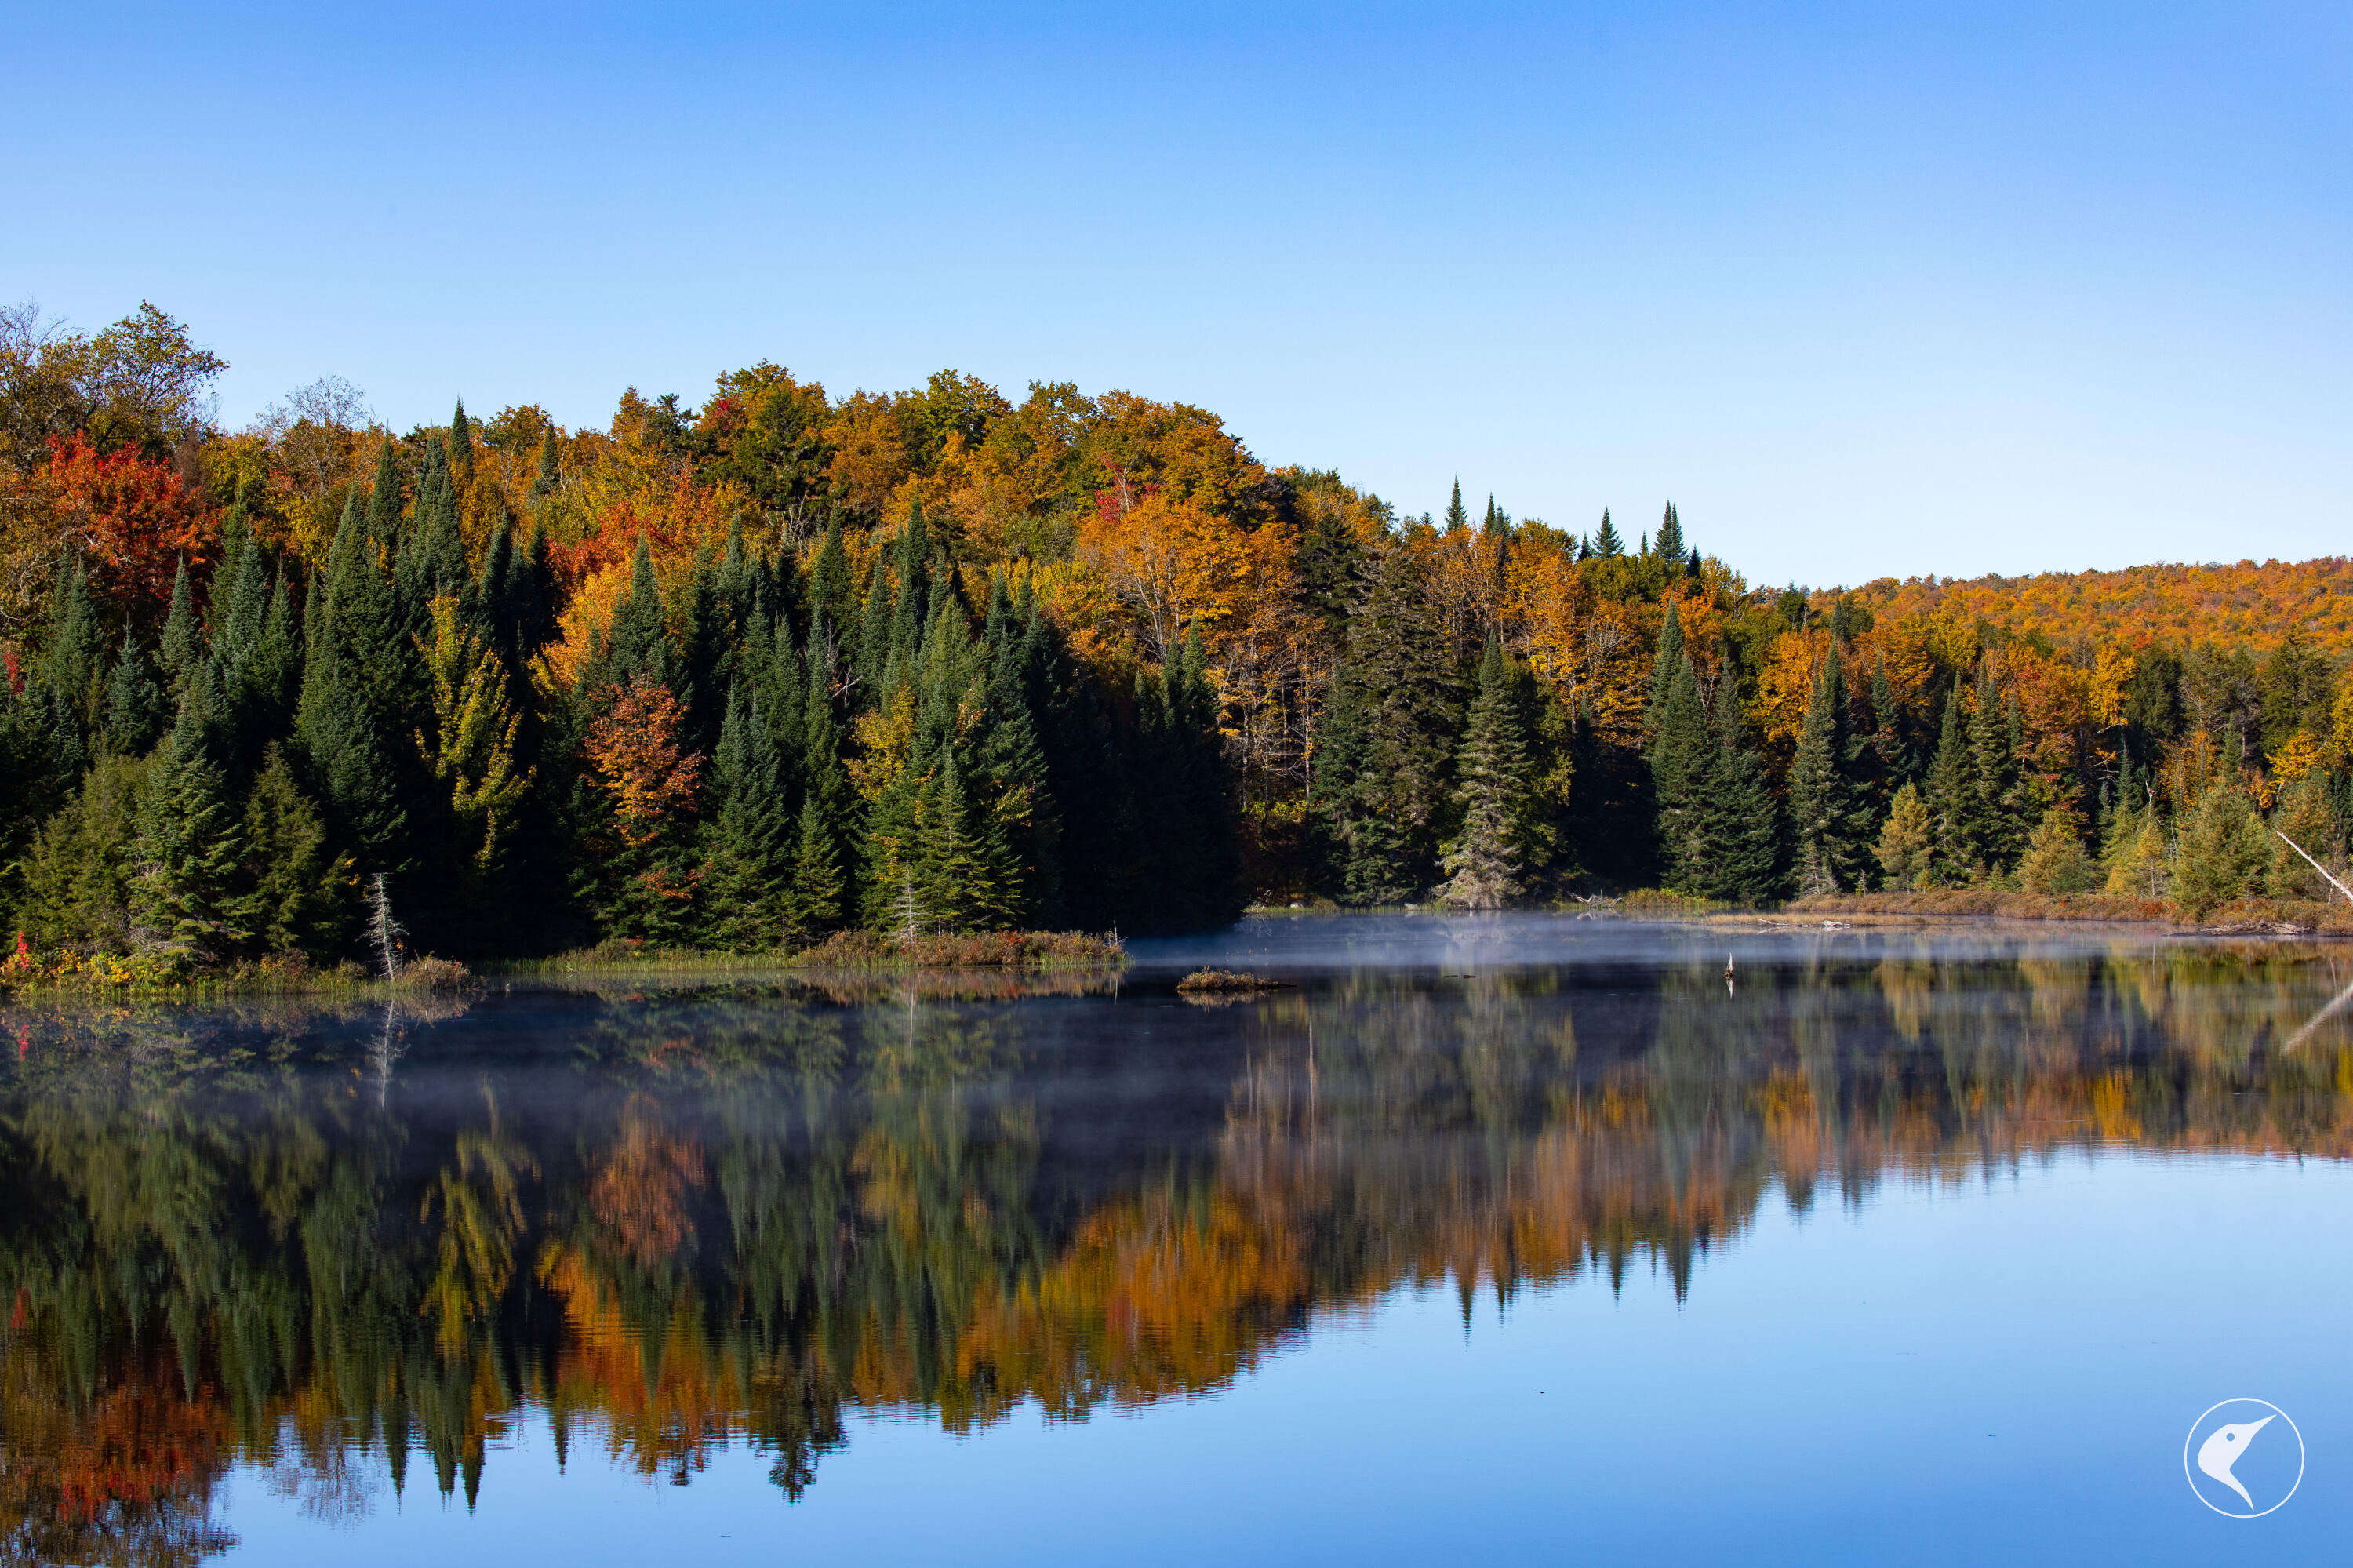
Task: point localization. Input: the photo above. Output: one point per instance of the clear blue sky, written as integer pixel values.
(1867, 289)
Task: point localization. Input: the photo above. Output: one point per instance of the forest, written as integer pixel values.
(740, 675)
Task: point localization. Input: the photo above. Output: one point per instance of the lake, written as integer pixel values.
(1481, 1239)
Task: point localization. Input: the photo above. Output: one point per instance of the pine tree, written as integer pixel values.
(1823, 818)
(183, 901)
(1488, 865)
(744, 838)
(1457, 516)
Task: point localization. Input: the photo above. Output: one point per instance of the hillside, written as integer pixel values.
(2247, 603)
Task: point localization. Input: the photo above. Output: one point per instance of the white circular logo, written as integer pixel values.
(2243, 1458)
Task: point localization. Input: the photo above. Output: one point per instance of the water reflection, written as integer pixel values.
(343, 1247)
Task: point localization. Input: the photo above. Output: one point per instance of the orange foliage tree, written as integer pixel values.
(133, 519)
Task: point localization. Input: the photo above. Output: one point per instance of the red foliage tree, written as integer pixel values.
(133, 521)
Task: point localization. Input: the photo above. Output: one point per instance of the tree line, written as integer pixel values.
(740, 675)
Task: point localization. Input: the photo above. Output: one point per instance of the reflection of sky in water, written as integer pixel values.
(2055, 1192)
(1999, 1371)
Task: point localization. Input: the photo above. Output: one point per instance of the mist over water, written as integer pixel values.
(1481, 1235)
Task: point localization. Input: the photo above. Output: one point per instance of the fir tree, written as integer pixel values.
(639, 642)
(461, 448)
(1457, 516)
(2054, 861)
(1489, 863)
(2223, 854)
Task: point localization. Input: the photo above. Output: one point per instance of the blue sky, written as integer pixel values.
(1867, 289)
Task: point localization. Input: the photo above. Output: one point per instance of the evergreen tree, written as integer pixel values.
(1606, 541)
(1736, 833)
(816, 896)
(819, 897)
(1951, 799)
(1906, 848)
(639, 642)
(2223, 854)
(1671, 547)
(134, 702)
(461, 448)
(1331, 571)
(188, 844)
(743, 837)
(551, 458)
(1489, 863)
(1824, 822)
(298, 895)
(79, 869)
(1681, 757)
(1457, 516)
(1891, 749)
(2054, 861)
(182, 640)
(1387, 793)
(1993, 828)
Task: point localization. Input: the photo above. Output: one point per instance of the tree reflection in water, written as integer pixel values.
(663, 1222)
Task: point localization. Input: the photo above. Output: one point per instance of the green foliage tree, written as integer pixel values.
(2221, 856)
(1825, 821)
(1906, 848)
(2054, 861)
(744, 842)
(186, 848)
(1492, 858)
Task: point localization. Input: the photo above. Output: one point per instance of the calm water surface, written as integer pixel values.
(1484, 1240)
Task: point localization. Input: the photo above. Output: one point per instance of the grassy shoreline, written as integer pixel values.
(28, 974)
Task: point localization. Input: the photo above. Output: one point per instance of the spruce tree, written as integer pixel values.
(1951, 799)
(1736, 835)
(1906, 842)
(298, 894)
(1993, 764)
(1489, 863)
(1682, 758)
(1670, 545)
(1389, 791)
(182, 644)
(461, 448)
(1457, 516)
(183, 899)
(551, 457)
(1607, 544)
(819, 897)
(1824, 822)
(744, 838)
(134, 702)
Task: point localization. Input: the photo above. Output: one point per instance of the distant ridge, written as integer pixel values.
(2172, 605)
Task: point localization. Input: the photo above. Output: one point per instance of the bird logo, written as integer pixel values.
(2225, 1445)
